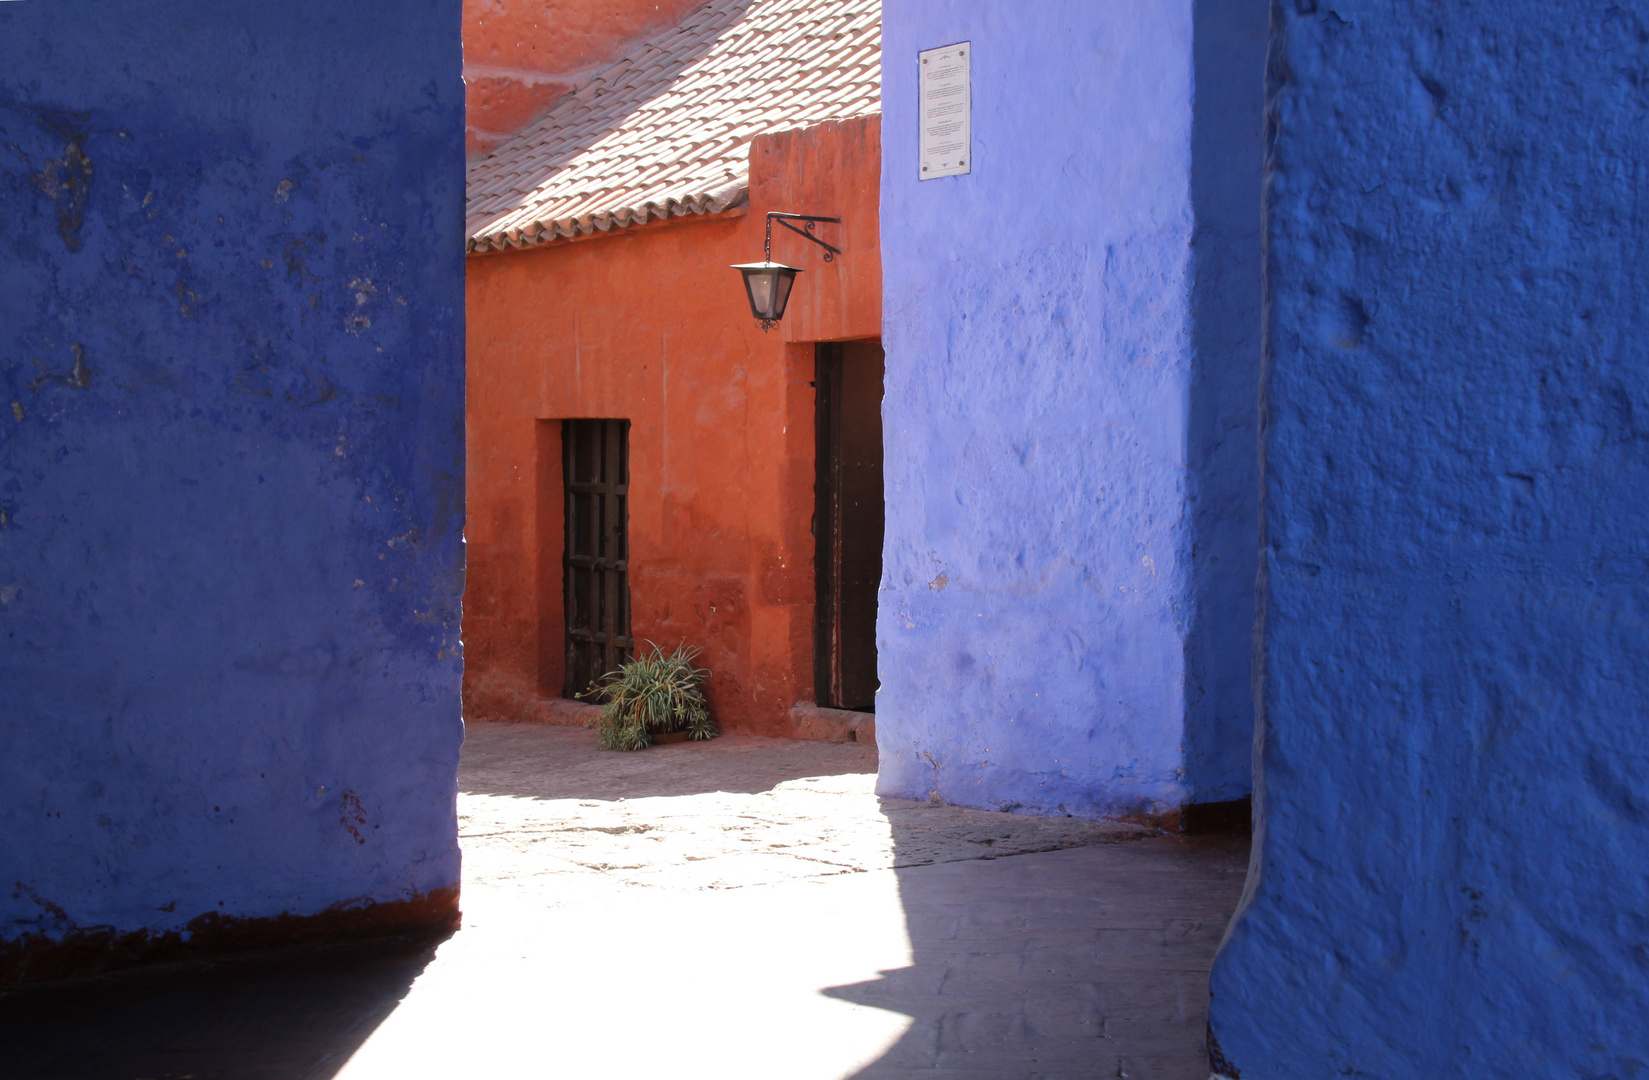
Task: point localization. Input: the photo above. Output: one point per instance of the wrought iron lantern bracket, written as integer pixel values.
(767, 284)
(805, 232)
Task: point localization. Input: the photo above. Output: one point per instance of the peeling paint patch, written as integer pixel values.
(67, 180)
(80, 375)
(351, 816)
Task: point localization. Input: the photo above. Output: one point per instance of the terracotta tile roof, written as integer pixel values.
(666, 130)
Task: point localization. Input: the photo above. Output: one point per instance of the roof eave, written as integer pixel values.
(539, 233)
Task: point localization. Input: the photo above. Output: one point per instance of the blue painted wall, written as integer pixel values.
(1072, 341)
(1449, 877)
(231, 453)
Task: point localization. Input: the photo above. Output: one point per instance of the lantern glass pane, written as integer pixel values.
(781, 294)
(760, 284)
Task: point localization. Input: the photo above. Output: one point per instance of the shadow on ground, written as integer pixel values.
(518, 760)
(1088, 962)
(1036, 947)
(292, 1016)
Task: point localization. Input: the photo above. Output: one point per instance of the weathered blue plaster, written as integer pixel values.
(1453, 855)
(1068, 412)
(230, 458)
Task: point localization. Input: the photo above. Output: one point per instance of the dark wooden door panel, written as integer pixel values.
(848, 523)
(595, 563)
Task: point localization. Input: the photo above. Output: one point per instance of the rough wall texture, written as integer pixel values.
(231, 487)
(522, 56)
(1050, 488)
(1449, 873)
(651, 325)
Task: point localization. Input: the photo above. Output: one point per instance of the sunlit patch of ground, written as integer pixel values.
(540, 808)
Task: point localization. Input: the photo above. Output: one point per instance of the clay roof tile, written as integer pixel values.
(665, 130)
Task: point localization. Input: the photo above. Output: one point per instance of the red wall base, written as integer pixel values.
(37, 958)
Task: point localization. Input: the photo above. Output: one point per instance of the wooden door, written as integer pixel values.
(595, 459)
(848, 523)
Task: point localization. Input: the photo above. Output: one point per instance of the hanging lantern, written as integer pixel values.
(767, 284)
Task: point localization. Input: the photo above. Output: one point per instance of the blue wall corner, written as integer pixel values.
(231, 458)
(1046, 492)
(1453, 836)
(1222, 440)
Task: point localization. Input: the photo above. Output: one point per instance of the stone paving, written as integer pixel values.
(742, 908)
(543, 811)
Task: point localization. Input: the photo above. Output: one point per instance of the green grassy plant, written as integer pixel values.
(652, 695)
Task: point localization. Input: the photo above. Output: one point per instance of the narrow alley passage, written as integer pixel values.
(740, 908)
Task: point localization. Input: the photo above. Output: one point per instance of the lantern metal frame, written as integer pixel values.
(767, 265)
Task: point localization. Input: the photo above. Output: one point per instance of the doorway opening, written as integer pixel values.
(595, 465)
(848, 522)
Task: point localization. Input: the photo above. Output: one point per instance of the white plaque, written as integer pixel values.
(946, 111)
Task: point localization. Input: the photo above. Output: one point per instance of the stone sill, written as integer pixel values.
(816, 723)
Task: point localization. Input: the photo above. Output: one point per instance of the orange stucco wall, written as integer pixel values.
(522, 56)
(651, 325)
